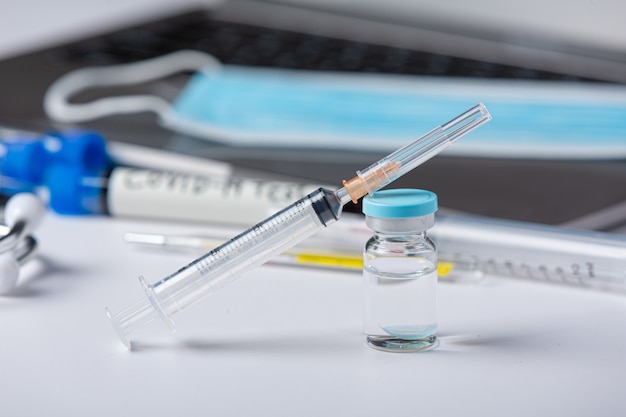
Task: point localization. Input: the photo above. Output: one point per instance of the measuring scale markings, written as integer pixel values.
(287, 219)
(579, 273)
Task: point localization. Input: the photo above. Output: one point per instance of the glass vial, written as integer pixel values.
(400, 271)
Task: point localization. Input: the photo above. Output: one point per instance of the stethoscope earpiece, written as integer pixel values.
(22, 214)
(24, 207)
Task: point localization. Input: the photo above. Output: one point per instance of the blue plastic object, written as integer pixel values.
(23, 160)
(70, 193)
(27, 158)
(82, 148)
(400, 203)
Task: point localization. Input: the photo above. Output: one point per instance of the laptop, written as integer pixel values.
(448, 40)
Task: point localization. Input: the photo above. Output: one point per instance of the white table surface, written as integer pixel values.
(283, 341)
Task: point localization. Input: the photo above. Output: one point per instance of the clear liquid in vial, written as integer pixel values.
(400, 303)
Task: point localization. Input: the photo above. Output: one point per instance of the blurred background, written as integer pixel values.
(32, 24)
(577, 47)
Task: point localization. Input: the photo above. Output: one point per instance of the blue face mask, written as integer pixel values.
(312, 109)
(306, 109)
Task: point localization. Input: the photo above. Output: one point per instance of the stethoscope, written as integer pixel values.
(25, 159)
(22, 214)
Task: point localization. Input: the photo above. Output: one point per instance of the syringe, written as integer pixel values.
(478, 246)
(283, 230)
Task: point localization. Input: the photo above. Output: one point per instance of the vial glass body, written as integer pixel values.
(400, 292)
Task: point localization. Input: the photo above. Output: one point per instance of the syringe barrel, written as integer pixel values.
(532, 251)
(229, 261)
(424, 148)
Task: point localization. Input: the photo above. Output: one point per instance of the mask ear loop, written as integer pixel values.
(57, 98)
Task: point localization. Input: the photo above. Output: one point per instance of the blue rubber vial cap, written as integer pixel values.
(23, 159)
(400, 203)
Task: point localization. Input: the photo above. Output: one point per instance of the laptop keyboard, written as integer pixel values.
(244, 44)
